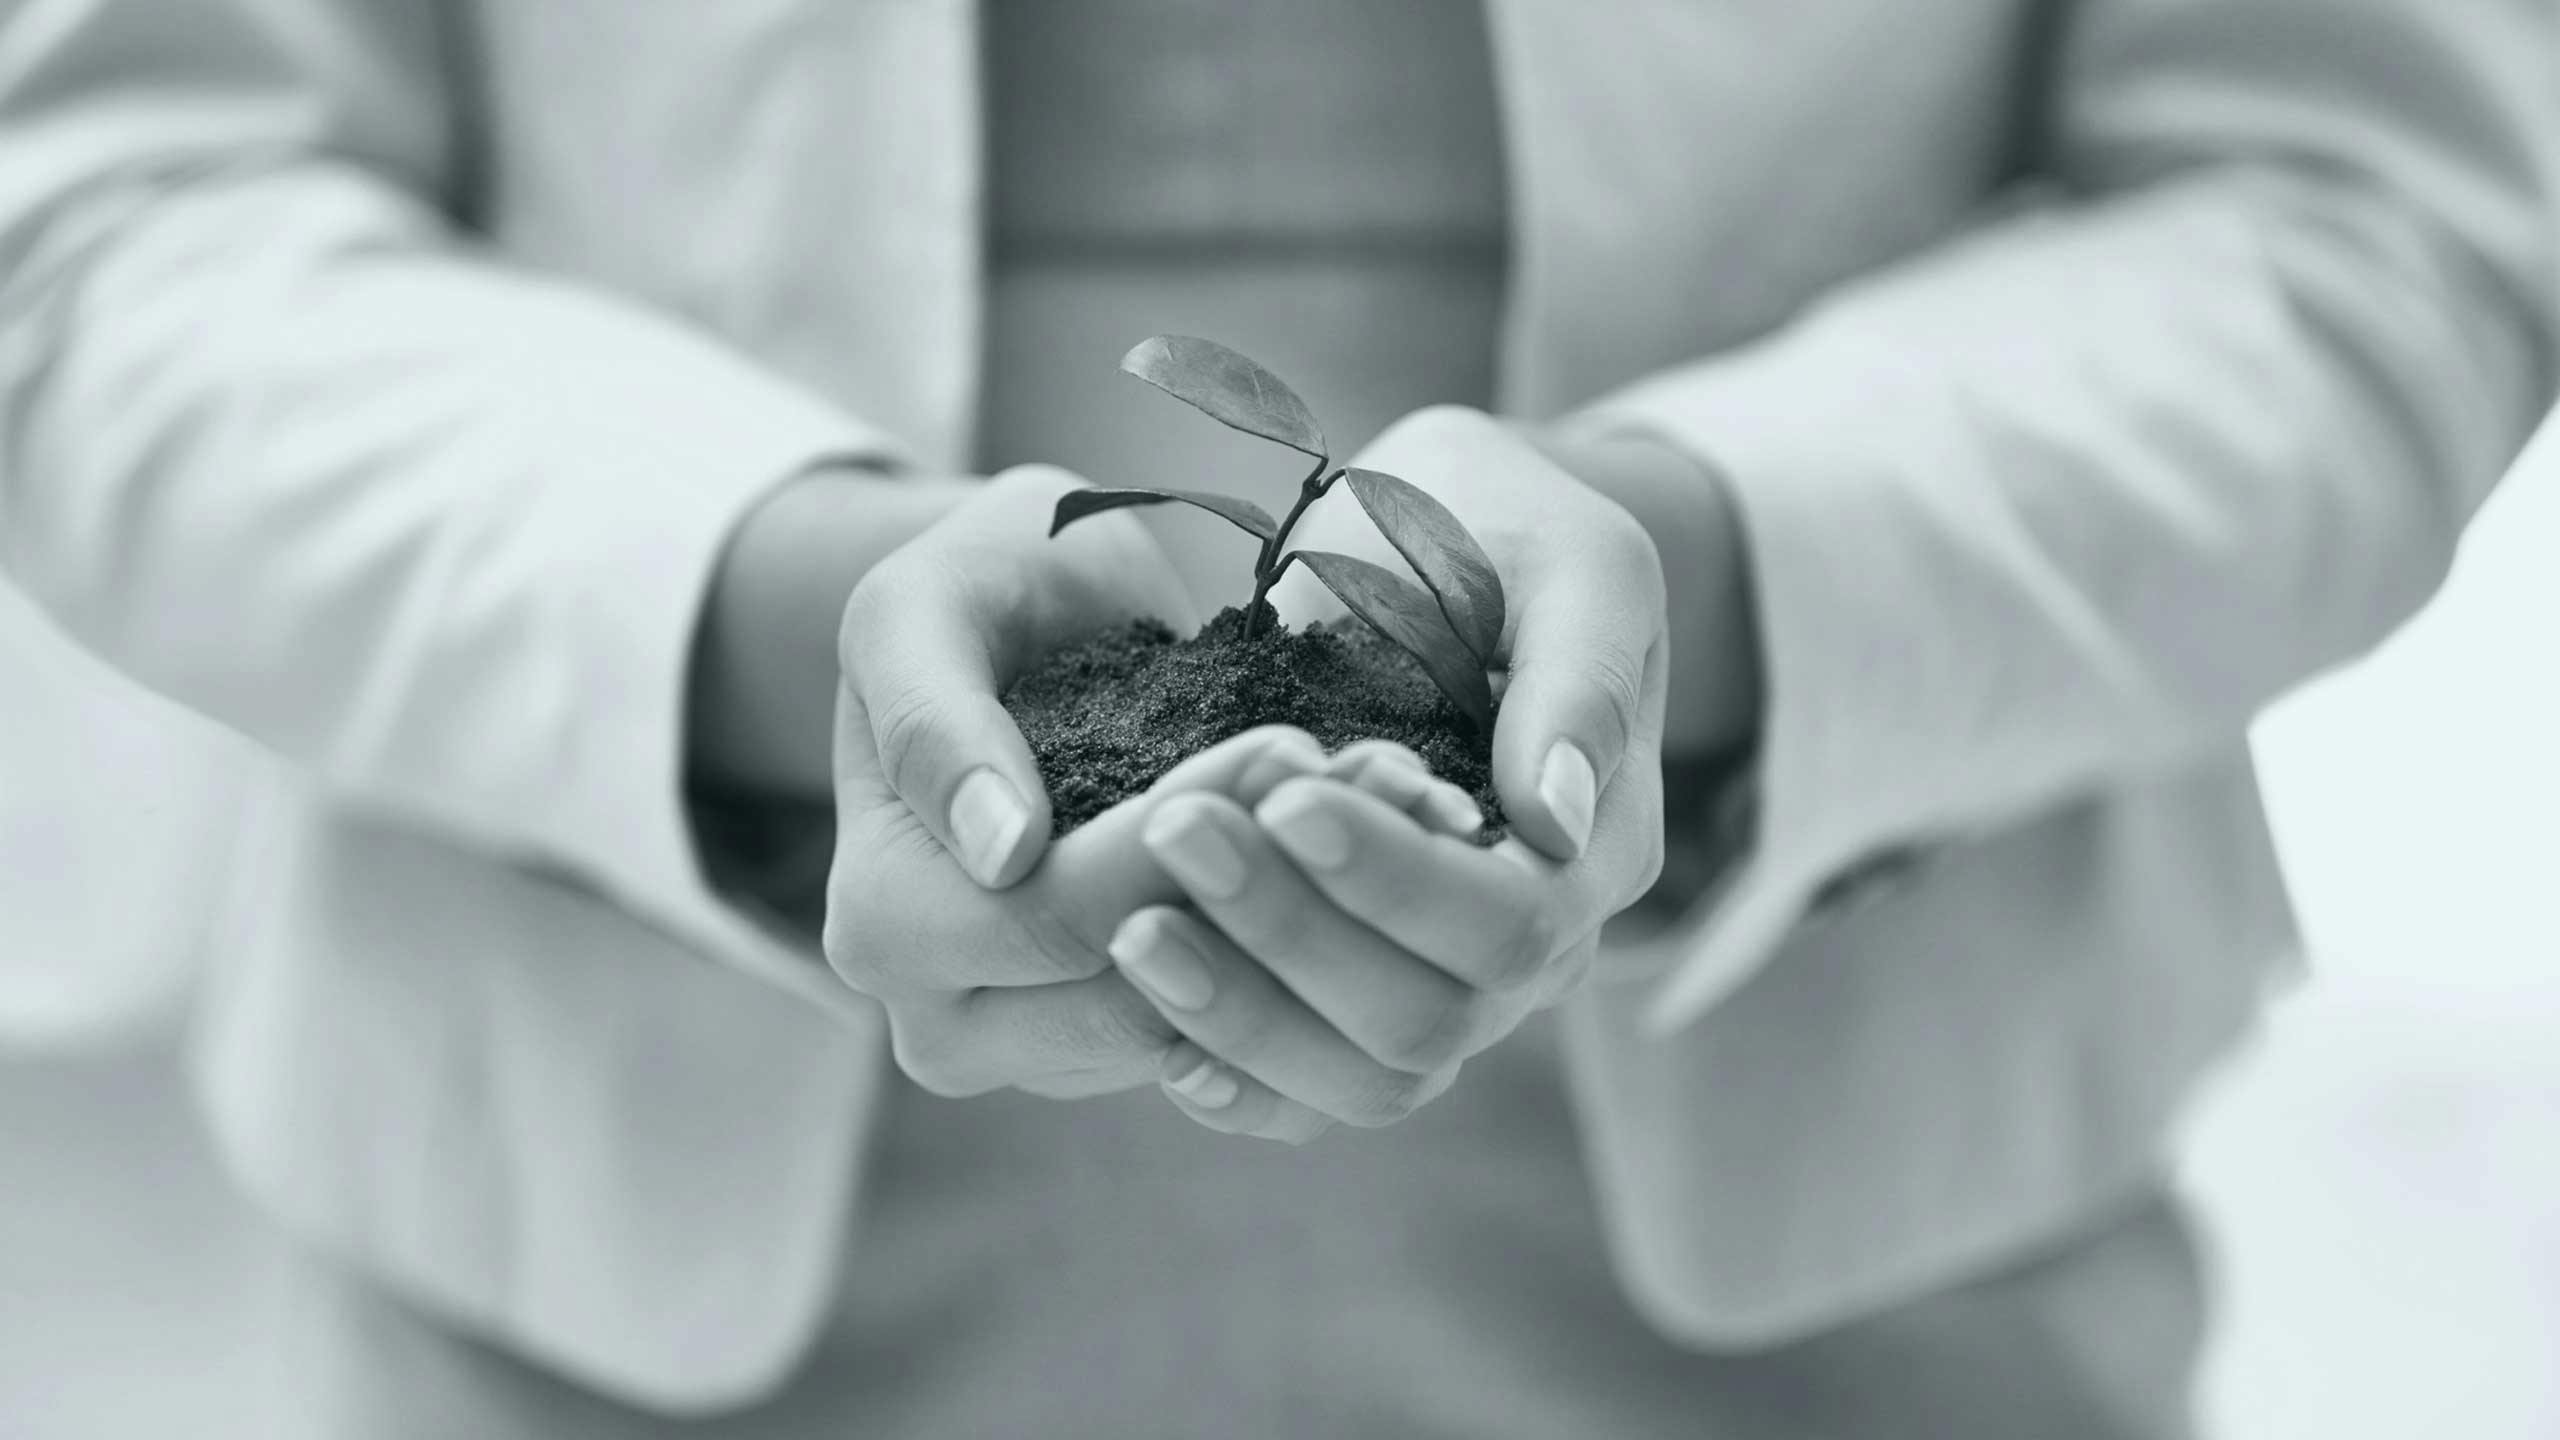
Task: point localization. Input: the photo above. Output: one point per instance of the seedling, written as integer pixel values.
(1451, 624)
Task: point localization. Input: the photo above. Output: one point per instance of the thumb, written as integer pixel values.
(918, 651)
(1587, 668)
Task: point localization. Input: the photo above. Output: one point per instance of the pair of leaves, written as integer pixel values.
(1396, 608)
(1230, 388)
(1452, 565)
(1452, 624)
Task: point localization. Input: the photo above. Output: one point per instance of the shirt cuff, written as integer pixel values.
(1765, 834)
(643, 561)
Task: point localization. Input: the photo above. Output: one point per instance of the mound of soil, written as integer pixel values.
(1108, 717)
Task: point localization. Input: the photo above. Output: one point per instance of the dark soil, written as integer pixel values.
(1108, 717)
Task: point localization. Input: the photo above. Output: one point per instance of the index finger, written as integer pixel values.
(1492, 917)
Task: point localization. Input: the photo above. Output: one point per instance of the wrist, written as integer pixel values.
(760, 695)
(1686, 505)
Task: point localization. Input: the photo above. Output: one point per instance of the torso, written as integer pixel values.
(1319, 185)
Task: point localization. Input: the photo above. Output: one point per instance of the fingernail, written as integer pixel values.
(1285, 758)
(1298, 750)
(1313, 835)
(1205, 1083)
(1570, 790)
(1188, 843)
(1392, 778)
(987, 821)
(1454, 811)
(1158, 962)
(1354, 764)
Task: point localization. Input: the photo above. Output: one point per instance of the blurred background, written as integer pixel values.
(2380, 1176)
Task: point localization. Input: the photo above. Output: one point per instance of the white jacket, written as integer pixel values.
(380, 378)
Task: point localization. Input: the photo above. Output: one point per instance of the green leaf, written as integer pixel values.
(1243, 514)
(1228, 388)
(1452, 565)
(1399, 610)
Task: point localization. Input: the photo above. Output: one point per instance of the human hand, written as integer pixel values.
(982, 942)
(1341, 959)
(989, 979)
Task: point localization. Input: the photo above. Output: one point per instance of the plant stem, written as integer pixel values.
(1264, 587)
(1274, 560)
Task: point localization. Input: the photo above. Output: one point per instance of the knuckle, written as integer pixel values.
(868, 613)
(1533, 941)
(1302, 1127)
(1615, 666)
(1616, 539)
(836, 939)
(1625, 542)
(1060, 953)
(1095, 1035)
(1430, 1037)
(1651, 855)
(1266, 1115)
(948, 1084)
(904, 723)
(1244, 1036)
(1443, 417)
(929, 1053)
(852, 908)
(1569, 972)
(1254, 1117)
(1383, 1098)
(1432, 426)
(1063, 1087)
(1035, 478)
